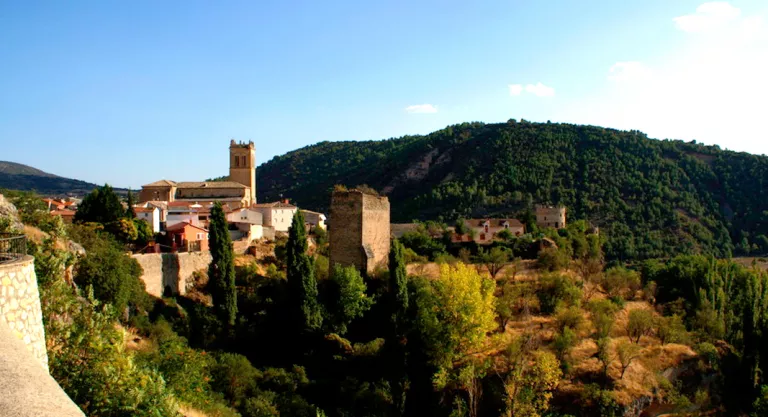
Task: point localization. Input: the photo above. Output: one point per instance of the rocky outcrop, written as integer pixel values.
(8, 211)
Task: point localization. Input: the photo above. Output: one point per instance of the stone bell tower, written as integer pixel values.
(242, 166)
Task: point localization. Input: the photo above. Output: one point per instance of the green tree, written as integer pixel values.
(398, 284)
(221, 271)
(301, 278)
(455, 313)
(101, 205)
(493, 260)
(129, 210)
(348, 299)
(627, 352)
(640, 324)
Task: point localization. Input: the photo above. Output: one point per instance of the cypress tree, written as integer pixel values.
(396, 353)
(129, 211)
(398, 283)
(221, 271)
(302, 284)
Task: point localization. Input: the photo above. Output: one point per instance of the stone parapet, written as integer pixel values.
(20, 305)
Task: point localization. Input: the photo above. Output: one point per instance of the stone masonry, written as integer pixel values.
(20, 305)
(171, 271)
(359, 232)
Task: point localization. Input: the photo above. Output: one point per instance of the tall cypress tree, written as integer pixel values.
(129, 211)
(398, 284)
(302, 284)
(221, 271)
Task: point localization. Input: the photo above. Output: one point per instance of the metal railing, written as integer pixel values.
(12, 247)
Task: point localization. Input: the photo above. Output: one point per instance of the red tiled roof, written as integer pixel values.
(62, 213)
(182, 226)
(143, 210)
(276, 204)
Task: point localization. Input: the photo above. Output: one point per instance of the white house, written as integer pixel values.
(150, 215)
(184, 212)
(314, 219)
(277, 215)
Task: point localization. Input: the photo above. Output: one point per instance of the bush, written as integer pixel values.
(571, 317)
(557, 290)
(553, 259)
(620, 282)
(640, 324)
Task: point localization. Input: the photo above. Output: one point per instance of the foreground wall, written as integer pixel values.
(171, 271)
(20, 305)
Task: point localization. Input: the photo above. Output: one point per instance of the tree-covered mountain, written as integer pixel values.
(651, 198)
(15, 176)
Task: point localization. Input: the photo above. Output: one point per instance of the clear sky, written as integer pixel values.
(128, 92)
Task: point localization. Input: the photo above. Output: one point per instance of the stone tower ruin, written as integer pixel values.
(550, 216)
(242, 165)
(359, 230)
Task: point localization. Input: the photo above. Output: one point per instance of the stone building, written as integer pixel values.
(359, 234)
(550, 216)
(240, 189)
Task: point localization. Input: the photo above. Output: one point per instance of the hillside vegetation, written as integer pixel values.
(651, 198)
(14, 176)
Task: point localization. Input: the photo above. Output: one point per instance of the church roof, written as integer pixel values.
(210, 184)
(161, 183)
(276, 204)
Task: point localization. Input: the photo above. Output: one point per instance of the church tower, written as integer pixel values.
(242, 166)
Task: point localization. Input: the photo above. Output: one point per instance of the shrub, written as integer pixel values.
(640, 324)
(553, 259)
(557, 290)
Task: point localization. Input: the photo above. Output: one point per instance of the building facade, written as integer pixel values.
(484, 231)
(277, 215)
(240, 189)
(550, 216)
(360, 232)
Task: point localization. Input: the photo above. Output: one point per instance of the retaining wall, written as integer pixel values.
(20, 305)
(172, 271)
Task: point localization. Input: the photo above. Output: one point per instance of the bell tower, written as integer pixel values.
(242, 166)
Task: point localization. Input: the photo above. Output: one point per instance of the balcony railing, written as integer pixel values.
(12, 247)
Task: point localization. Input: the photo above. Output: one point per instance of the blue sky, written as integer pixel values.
(131, 92)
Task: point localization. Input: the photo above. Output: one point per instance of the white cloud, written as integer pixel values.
(628, 71)
(540, 90)
(710, 88)
(421, 108)
(515, 89)
(707, 17)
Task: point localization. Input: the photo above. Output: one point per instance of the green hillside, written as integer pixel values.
(651, 198)
(15, 176)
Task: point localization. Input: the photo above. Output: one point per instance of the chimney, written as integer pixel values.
(286, 201)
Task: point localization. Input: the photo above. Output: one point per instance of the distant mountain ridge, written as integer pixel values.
(22, 177)
(651, 198)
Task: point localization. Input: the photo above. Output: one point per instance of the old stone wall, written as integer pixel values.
(20, 305)
(346, 230)
(376, 233)
(172, 271)
(359, 224)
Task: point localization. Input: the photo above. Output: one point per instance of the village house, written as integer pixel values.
(314, 219)
(550, 216)
(277, 215)
(66, 215)
(186, 237)
(151, 215)
(484, 231)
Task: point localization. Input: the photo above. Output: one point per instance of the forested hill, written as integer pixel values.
(651, 198)
(17, 176)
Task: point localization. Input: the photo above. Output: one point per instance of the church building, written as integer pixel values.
(238, 191)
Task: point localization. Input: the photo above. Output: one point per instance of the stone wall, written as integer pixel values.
(171, 270)
(376, 233)
(359, 228)
(20, 305)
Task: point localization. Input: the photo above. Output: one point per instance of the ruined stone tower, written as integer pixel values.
(549, 216)
(359, 230)
(242, 165)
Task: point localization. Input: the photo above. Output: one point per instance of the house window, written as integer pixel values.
(244, 163)
(199, 236)
(482, 236)
(207, 236)
(486, 229)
